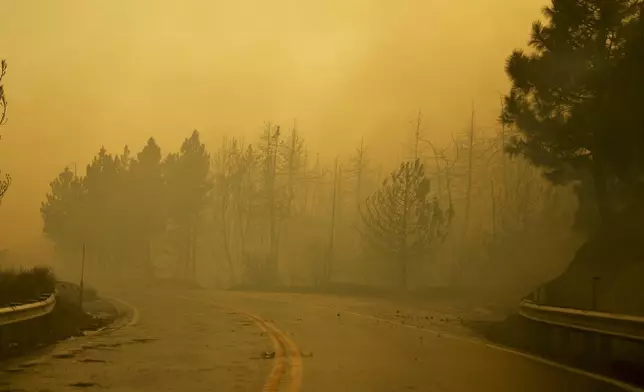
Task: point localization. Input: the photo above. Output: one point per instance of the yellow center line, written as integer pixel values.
(284, 348)
(293, 352)
(274, 379)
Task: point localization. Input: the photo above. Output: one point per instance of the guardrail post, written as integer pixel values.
(600, 340)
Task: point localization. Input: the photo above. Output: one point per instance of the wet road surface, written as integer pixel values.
(225, 341)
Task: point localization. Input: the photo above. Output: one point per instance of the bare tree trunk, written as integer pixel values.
(242, 230)
(504, 167)
(359, 173)
(193, 253)
(187, 256)
(493, 194)
(417, 137)
(448, 185)
(291, 171)
(468, 203)
(229, 256)
(149, 266)
(328, 267)
(271, 179)
(601, 191)
(468, 200)
(404, 221)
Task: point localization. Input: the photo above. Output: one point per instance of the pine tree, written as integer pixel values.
(148, 198)
(101, 185)
(189, 184)
(63, 217)
(400, 220)
(561, 93)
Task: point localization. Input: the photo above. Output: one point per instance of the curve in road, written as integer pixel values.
(203, 340)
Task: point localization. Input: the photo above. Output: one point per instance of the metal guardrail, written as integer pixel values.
(609, 324)
(23, 312)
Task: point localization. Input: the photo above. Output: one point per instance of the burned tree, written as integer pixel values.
(4, 183)
(400, 220)
(291, 154)
(272, 198)
(3, 99)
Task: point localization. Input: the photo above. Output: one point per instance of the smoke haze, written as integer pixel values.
(88, 73)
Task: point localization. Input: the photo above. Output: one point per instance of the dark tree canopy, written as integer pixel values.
(576, 97)
(62, 210)
(121, 203)
(188, 179)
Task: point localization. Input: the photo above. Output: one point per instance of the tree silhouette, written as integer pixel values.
(148, 194)
(189, 183)
(128, 207)
(63, 220)
(123, 205)
(273, 199)
(232, 195)
(400, 220)
(101, 184)
(3, 99)
(292, 160)
(359, 169)
(6, 182)
(563, 94)
(244, 192)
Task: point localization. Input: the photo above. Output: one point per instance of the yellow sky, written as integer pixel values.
(88, 72)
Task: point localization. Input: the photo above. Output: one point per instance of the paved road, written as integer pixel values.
(207, 341)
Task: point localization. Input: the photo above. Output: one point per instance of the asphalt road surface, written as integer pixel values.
(211, 341)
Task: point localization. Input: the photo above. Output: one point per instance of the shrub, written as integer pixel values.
(25, 285)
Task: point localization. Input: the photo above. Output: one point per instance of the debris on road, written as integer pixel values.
(92, 360)
(143, 340)
(63, 355)
(83, 384)
(30, 364)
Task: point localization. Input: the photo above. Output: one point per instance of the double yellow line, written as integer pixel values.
(287, 364)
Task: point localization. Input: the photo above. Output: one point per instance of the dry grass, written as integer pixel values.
(25, 285)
